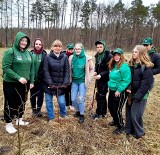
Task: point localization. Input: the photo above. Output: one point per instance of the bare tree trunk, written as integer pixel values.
(6, 26)
(11, 21)
(18, 13)
(23, 18)
(28, 14)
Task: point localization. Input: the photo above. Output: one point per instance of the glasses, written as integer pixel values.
(78, 49)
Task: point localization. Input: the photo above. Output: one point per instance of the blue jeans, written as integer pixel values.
(78, 92)
(49, 105)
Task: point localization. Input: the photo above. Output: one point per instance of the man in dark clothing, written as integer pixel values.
(154, 56)
(101, 74)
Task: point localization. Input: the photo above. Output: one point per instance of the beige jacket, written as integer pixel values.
(89, 69)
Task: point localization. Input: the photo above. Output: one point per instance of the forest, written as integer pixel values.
(86, 21)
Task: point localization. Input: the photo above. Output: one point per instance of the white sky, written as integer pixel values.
(128, 3)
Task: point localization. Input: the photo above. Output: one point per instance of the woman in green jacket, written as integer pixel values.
(119, 79)
(18, 76)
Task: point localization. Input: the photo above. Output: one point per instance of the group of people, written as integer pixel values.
(67, 75)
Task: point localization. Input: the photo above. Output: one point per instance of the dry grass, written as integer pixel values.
(90, 138)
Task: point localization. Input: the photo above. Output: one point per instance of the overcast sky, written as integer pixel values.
(127, 2)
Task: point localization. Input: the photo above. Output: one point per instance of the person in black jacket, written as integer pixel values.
(37, 93)
(69, 52)
(154, 56)
(140, 85)
(56, 78)
(101, 75)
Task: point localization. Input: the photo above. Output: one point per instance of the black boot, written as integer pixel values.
(81, 119)
(34, 112)
(77, 114)
(39, 113)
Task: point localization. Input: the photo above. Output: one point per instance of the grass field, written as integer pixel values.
(68, 137)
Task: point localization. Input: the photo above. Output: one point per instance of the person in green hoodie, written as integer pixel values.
(154, 56)
(37, 92)
(81, 71)
(18, 76)
(119, 79)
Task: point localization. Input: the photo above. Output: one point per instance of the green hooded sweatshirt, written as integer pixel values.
(17, 63)
(78, 67)
(152, 50)
(119, 78)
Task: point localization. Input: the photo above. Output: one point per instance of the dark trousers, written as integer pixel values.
(68, 95)
(115, 106)
(14, 99)
(101, 100)
(36, 96)
(134, 117)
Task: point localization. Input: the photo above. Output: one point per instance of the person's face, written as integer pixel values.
(148, 47)
(117, 57)
(78, 49)
(135, 54)
(57, 49)
(23, 43)
(100, 48)
(38, 45)
(70, 50)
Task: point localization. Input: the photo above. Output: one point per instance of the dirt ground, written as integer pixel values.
(68, 137)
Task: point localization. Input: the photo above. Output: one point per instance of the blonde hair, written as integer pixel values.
(57, 43)
(143, 57)
(112, 62)
(79, 44)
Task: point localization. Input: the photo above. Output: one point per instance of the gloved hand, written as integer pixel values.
(52, 86)
(63, 86)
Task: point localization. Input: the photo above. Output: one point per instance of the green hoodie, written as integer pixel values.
(120, 78)
(152, 50)
(17, 63)
(78, 67)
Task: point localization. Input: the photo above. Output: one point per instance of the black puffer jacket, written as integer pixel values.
(141, 82)
(56, 72)
(103, 70)
(155, 58)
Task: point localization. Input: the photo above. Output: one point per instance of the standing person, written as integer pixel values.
(37, 93)
(142, 80)
(18, 76)
(56, 79)
(119, 79)
(154, 56)
(81, 70)
(101, 75)
(69, 52)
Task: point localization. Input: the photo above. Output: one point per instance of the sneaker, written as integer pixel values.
(95, 116)
(118, 131)
(71, 107)
(64, 117)
(77, 114)
(10, 128)
(81, 119)
(21, 122)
